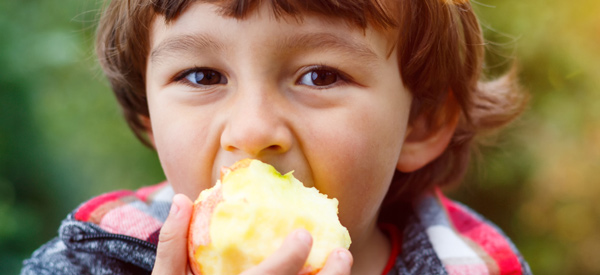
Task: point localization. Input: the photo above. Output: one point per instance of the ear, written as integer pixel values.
(148, 126)
(428, 136)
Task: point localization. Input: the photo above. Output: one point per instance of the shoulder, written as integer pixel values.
(114, 233)
(45, 259)
(55, 257)
(465, 241)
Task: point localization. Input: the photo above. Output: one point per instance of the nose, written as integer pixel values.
(257, 124)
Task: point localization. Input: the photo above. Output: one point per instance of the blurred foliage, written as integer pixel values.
(538, 181)
(62, 138)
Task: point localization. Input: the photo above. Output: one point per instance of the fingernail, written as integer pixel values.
(344, 256)
(304, 236)
(174, 209)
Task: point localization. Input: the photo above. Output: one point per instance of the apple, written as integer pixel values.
(245, 217)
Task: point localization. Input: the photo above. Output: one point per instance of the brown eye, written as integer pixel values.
(319, 78)
(206, 77)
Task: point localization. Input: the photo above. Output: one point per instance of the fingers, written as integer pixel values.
(171, 255)
(339, 262)
(289, 258)
(292, 255)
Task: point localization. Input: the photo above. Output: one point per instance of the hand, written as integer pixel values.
(291, 256)
(171, 254)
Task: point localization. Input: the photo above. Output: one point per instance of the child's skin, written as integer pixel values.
(345, 132)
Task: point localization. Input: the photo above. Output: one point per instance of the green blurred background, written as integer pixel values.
(62, 138)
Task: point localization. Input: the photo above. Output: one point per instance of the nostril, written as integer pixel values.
(276, 148)
(256, 137)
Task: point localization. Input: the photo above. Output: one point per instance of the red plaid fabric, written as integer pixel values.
(465, 243)
(139, 213)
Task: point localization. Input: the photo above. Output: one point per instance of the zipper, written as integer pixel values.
(104, 236)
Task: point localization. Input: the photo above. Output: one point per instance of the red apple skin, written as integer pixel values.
(198, 233)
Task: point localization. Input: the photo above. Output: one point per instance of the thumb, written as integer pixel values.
(171, 254)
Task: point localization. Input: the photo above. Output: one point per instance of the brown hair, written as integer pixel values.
(440, 52)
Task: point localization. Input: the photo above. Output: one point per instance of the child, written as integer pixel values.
(372, 102)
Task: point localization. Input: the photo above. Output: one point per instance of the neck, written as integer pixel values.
(371, 255)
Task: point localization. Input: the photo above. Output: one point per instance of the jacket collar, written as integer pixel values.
(440, 235)
(123, 224)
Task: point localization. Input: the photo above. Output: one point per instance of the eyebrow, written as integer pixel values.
(322, 41)
(185, 43)
(326, 41)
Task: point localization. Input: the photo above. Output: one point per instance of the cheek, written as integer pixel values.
(182, 146)
(357, 156)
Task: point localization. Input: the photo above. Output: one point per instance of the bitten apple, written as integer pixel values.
(244, 218)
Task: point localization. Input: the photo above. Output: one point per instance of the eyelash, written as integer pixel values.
(341, 78)
(182, 76)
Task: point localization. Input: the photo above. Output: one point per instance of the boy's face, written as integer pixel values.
(320, 97)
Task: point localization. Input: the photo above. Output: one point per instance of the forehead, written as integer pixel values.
(201, 27)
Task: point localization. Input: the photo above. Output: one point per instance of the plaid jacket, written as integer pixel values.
(117, 233)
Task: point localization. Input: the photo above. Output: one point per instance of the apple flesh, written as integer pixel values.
(244, 218)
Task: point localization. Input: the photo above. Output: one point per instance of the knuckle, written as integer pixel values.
(298, 257)
(167, 237)
(276, 271)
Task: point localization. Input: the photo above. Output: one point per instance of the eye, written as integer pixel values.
(320, 77)
(202, 77)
